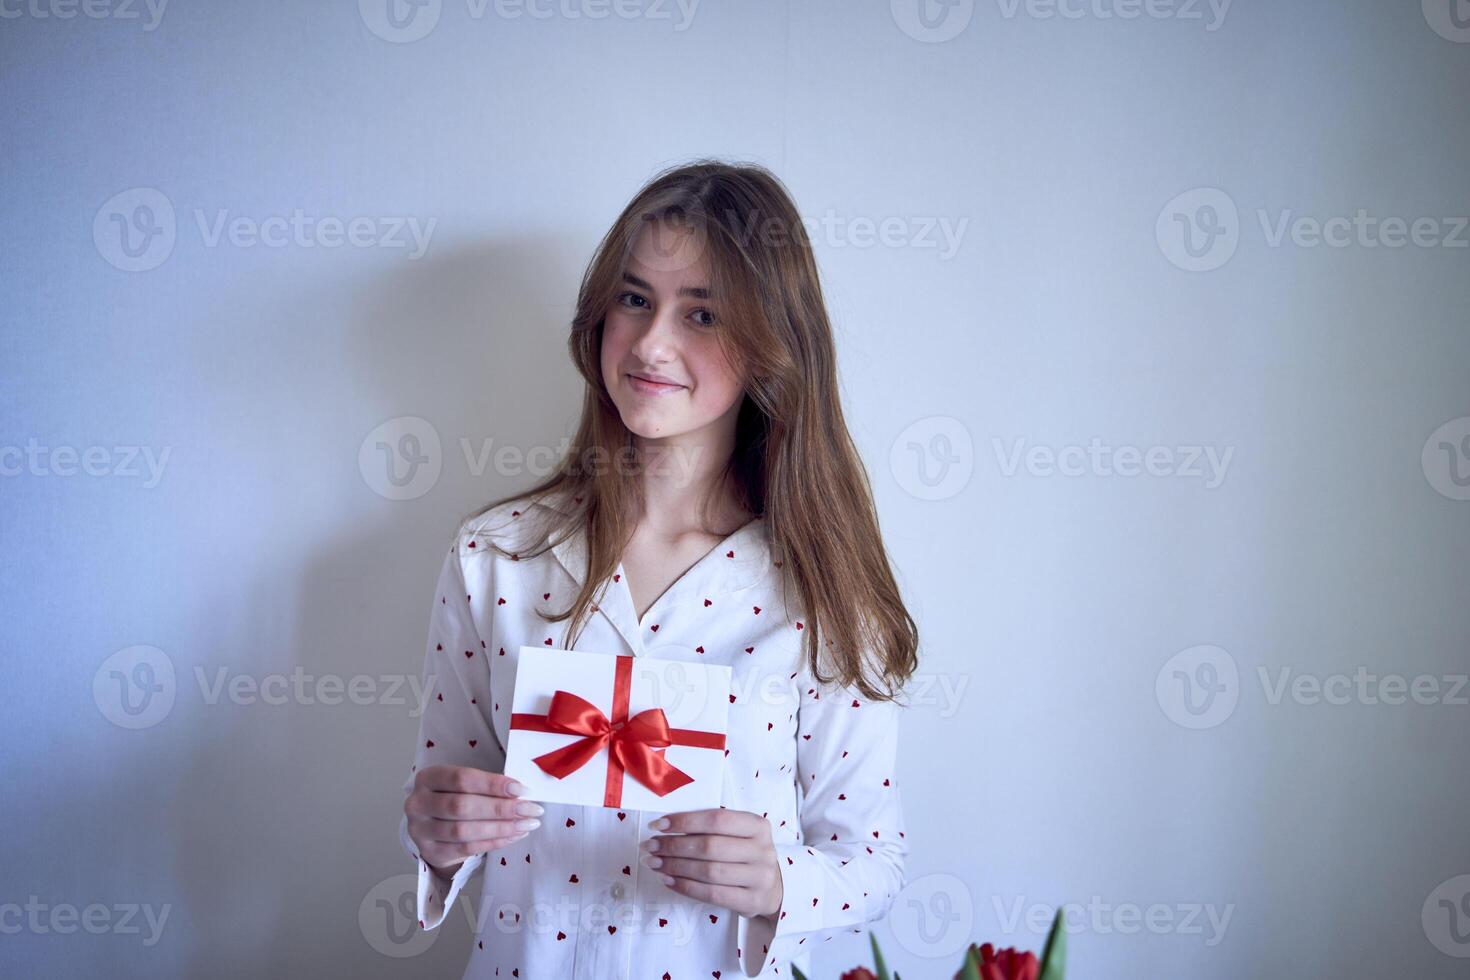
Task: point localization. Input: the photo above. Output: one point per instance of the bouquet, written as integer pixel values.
(985, 962)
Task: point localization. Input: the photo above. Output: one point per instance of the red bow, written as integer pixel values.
(633, 743)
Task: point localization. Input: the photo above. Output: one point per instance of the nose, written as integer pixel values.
(658, 343)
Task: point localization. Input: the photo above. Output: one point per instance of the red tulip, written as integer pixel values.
(859, 973)
(1006, 964)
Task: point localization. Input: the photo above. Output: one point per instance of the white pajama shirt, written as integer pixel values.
(572, 900)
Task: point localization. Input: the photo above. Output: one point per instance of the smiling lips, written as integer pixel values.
(647, 387)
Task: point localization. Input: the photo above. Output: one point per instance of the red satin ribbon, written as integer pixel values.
(634, 744)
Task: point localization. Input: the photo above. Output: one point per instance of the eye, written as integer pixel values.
(709, 322)
(628, 299)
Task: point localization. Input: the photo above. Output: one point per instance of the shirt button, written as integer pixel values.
(617, 890)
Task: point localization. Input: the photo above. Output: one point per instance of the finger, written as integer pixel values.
(459, 831)
(706, 847)
(441, 855)
(718, 820)
(710, 872)
(735, 899)
(466, 779)
(472, 806)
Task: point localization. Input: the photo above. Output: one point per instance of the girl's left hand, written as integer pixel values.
(724, 857)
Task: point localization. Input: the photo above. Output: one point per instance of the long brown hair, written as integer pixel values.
(794, 462)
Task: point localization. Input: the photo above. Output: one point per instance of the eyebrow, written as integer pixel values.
(698, 292)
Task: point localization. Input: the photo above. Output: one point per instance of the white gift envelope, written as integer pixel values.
(633, 733)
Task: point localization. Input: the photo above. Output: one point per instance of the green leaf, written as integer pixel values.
(1054, 957)
(971, 969)
(878, 957)
(797, 973)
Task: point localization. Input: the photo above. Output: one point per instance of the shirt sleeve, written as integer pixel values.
(455, 727)
(850, 863)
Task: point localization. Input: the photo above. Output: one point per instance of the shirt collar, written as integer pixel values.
(743, 558)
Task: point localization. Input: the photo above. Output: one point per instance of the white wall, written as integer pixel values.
(1050, 756)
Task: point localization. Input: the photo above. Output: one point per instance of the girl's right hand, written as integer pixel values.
(455, 812)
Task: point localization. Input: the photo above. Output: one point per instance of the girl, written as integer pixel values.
(711, 508)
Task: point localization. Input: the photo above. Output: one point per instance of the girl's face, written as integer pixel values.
(661, 361)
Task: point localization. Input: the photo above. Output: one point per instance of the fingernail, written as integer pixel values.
(515, 789)
(662, 823)
(652, 862)
(529, 809)
(650, 845)
(667, 879)
(527, 824)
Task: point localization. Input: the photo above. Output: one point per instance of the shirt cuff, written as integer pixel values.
(435, 895)
(802, 886)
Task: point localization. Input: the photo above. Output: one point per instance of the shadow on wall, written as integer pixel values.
(299, 803)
